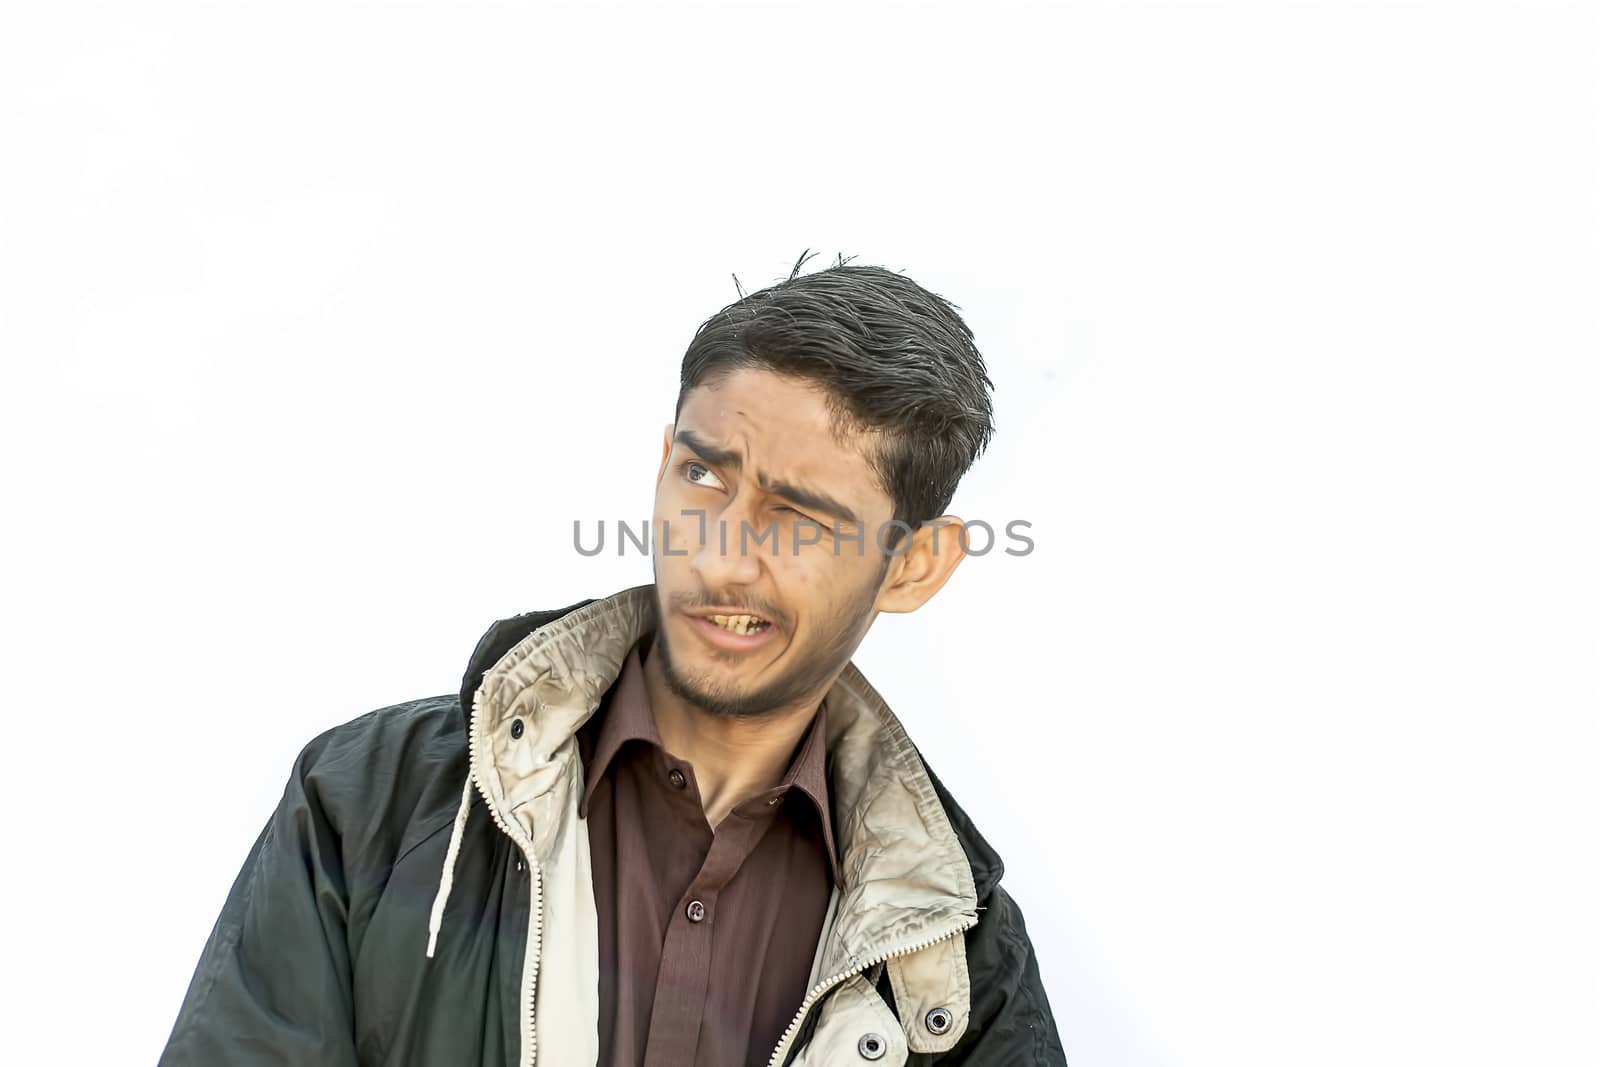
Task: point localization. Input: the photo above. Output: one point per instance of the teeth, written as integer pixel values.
(739, 624)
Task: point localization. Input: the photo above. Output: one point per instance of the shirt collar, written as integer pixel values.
(626, 716)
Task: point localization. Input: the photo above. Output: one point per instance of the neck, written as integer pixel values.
(734, 758)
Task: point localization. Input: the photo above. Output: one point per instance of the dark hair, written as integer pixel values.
(894, 359)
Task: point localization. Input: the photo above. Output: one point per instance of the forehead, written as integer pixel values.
(785, 431)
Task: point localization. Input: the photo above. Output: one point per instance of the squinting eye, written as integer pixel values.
(799, 516)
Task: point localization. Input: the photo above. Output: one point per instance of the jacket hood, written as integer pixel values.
(503, 635)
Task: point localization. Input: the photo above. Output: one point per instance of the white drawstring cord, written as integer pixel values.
(448, 876)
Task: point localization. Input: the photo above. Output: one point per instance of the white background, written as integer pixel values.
(321, 323)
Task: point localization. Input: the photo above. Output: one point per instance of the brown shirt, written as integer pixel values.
(706, 938)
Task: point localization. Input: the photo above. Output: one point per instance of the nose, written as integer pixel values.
(726, 556)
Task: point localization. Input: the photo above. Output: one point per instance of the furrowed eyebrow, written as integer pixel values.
(806, 498)
(722, 457)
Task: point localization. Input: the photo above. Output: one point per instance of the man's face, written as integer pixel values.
(757, 453)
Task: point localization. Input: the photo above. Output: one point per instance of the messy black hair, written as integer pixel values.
(895, 361)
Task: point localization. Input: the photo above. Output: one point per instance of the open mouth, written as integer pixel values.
(744, 625)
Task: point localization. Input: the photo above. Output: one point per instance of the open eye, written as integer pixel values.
(700, 474)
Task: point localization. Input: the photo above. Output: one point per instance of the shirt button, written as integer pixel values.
(696, 911)
(676, 778)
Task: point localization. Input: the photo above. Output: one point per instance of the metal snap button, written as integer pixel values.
(872, 1047)
(938, 1020)
(516, 729)
(677, 779)
(696, 911)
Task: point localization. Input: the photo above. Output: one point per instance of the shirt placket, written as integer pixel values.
(686, 955)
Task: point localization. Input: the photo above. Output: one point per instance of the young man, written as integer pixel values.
(674, 826)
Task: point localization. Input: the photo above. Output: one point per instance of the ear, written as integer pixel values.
(925, 561)
(666, 450)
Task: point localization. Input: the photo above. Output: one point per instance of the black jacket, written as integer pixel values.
(318, 955)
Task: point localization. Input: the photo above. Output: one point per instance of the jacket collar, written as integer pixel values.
(908, 856)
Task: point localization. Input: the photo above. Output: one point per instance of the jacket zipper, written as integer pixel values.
(530, 968)
(530, 962)
(822, 988)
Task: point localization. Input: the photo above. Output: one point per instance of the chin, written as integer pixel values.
(713, 691)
